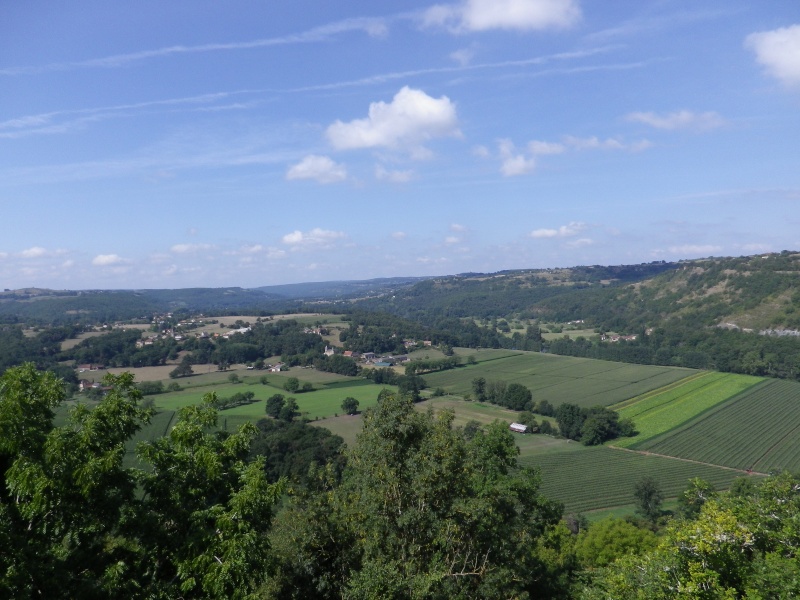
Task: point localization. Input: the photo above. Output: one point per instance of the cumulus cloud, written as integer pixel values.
(190, 248)
(452, 239)
(410, 119)
(399, 235)
(34, 252)
(572, 229)
(315, 237)
(321, 169)
(682, 119)
(513, 163)
(483, 15)
(107, 260)
(457, 227)
(383, 174)
(778, 51)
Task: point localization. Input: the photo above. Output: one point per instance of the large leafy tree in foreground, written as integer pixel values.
(75, 522)
(740, 545)
(422, 512)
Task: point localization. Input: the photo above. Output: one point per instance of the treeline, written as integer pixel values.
(432, 365)
(698, 348)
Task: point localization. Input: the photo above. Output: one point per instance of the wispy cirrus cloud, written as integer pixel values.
(681, 119)
(372, 26)
(63, 121)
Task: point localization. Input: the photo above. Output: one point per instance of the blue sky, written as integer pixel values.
(174, 144)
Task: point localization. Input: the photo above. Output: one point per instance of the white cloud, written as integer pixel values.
(107, 260)
(481, 151)
(319, 168)
(513, 163)
(682, 119)
(572, 229)
(399, 235)
(692, 249)
(190, 248)
(452, 239)
(464, 56)
(411, 118)
(483, 15)
(393, 176)
(593, 143)
(457, 227)
(517, 165)
(34, 252)
(315, 237)
(323, 33)
(579, 243)
(537, 147)
(779, 52)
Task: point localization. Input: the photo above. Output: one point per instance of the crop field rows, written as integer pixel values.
(656, 414)
(758, 430)
(560, 379)
(601, 478)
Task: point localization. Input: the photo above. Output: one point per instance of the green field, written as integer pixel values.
(759, 429)
(560, 379)
(324, 401)
(596, 478)
(656, 413)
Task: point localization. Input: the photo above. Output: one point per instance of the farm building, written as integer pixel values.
(518, 428)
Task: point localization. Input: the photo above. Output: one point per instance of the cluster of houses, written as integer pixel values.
(617, 338)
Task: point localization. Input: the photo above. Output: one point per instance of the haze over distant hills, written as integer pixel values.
(753, 292)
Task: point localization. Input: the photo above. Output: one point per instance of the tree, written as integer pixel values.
(570, 420)
(233, 378)
(274, 405)
(422, 512)
(291, 385)
(517, 397)
(263, 380)
(184, 369)
(350, 405)
(76, 523)
(479, 389)
(609, 539)
(289, 410)
(649, 497)
(692, 499)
